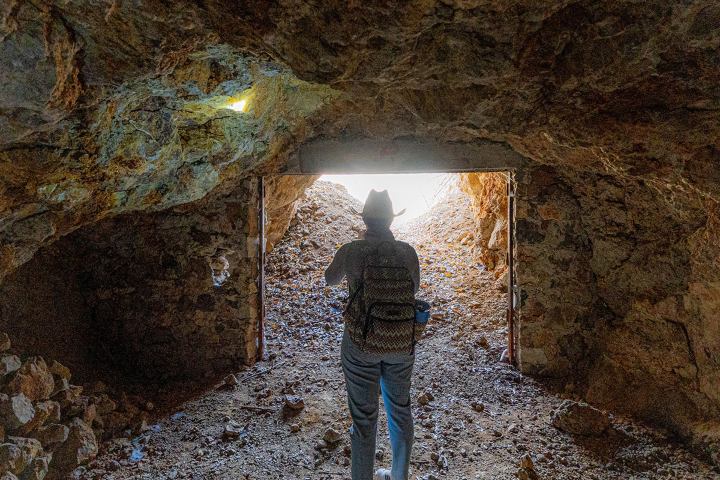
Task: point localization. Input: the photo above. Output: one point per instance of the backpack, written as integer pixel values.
(380, 314)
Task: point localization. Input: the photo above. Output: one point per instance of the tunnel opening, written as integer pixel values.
(460, 226)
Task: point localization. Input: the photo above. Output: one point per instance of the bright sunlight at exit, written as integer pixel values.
(414, 192)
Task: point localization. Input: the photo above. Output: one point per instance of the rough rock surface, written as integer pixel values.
(488, 195)
(579, 418)
(114, 109)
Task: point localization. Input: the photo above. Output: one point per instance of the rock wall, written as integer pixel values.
(488, 197)
(158, 296)
(618, 298)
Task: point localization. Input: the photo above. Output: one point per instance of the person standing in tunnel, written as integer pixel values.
(378, 346)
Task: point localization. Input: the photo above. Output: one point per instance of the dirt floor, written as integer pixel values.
(476, 417)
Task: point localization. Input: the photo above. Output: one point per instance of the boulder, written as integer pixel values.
(37, 469)
(294, 403)
(579, 418)
(51, 435)
(68, 396)
(15, 411)
(33, 379)
(30, 449)
(43, 411)
(10, 458)
(9, 364)
(79, 448)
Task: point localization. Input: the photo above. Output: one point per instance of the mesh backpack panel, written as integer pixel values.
(381, 311)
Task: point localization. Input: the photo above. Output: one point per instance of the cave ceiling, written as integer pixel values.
(114, 106)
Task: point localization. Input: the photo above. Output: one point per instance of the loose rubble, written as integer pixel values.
(482, 418)
(49, 427)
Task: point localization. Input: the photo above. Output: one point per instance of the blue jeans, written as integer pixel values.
(365, 376)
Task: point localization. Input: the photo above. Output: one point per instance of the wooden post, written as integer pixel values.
(511, 269)
(261, 270)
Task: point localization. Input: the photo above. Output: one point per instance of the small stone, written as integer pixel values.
(294, 402)
(425, 398)
(380, 454)
(232, 431)
(527, 463)
(332, 436)
(230, 382)
(5, 343)
(295, 427)
(579, 418)
(9, 364)
(483, 342)
(33, 379)
(477, 406)
(113, 466)
(15, 411)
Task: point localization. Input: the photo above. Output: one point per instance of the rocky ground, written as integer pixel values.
(476, 417)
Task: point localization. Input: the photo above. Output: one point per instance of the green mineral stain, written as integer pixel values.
(165, 139)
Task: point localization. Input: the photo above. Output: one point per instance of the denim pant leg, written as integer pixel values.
(395, 383)
(362, 380)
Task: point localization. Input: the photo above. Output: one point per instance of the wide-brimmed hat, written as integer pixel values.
(379, 205)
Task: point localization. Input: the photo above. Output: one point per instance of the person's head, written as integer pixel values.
(378, 212)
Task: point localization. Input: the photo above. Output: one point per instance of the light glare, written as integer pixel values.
(239, 106)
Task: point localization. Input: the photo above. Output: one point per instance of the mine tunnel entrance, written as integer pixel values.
(461, 227)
